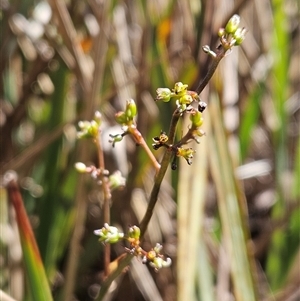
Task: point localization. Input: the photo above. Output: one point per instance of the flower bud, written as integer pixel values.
(80, 167)
(196, 119)
(116, 180)
(157, 263)
(221, 32)
(158, 248)
(134, 232)
(186, 99)
(109, 234)
(93, 128)
(131, 109)
(89, 129)
(180, 89)
(163, 94)
(98, 117)
(151, 255)
(121, 117)
(207, 50)
(232, 24)
(239, 36)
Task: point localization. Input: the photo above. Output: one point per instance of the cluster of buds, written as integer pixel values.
(180, 93)
(232, 34)
(155, 259)
(115, 180)
(90, 129)
(111, 235)
(185, 102)
(92, 170)
(126, 119)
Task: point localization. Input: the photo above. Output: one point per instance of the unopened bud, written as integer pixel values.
(163, 94)
(121, 117)
(80, 167)
(131, 109)
(239, 36)
(180, 89)
(196, 119)
(233, 24)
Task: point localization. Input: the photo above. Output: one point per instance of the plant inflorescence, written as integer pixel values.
(187, 102)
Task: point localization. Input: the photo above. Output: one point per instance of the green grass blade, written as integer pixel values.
(249, 120)
(35, 272)
(232, 212)
(279, 249)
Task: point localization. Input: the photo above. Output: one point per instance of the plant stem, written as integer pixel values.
(220, 53)
(107, 200)
(153, 199)
(141, 141)
(160, 175)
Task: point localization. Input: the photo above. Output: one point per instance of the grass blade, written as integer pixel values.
(35, 271)
(231, 208)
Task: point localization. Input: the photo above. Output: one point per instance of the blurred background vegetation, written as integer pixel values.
(62, 60)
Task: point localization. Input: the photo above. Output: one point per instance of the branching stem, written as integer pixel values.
(160, 174)
(141, 141)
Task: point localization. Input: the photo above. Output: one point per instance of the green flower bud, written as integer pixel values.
(121, 118)
(116, 180)
(157, 263)
(239, 36)
(89, 129)
(186, 99)
(180, 89)
(232, 24)
(166, 263)
(134, 232)
(93, 128)
(158, 248)
(163, 94)
(196, 119)
(131, 109)
(98, 117)
(109, 234)
(221, 32)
